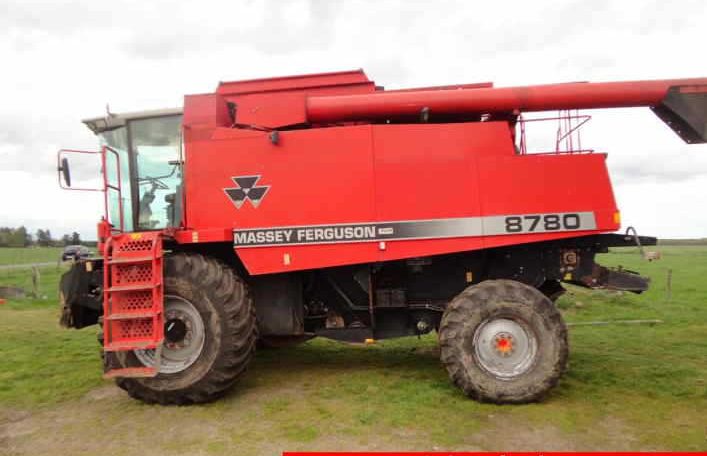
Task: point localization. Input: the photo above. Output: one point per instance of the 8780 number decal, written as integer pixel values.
(545, 222)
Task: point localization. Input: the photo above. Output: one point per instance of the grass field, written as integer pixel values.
(629, 387)
(19, 255)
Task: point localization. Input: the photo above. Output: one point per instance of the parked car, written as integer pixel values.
(75, 252)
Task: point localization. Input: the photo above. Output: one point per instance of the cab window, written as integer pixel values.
(156, 146)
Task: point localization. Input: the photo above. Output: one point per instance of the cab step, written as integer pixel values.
(141, 259)
(141, 286)
(131, 372)
(130, 315)
(130, 345)
(133, 299)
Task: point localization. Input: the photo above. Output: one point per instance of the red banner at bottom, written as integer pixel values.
(453, 453)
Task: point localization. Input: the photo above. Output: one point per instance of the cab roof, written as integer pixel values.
(111, 121)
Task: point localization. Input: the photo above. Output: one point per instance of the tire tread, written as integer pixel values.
(229, 292)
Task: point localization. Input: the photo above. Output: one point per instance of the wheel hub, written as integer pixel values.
(175, 330)
(184, 336)
(503, 343)
(505, 348)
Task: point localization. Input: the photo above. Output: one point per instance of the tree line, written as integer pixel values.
(21, 237)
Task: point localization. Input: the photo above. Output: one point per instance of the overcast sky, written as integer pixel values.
(62, 61)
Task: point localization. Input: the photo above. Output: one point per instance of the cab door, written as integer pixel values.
(156, 154)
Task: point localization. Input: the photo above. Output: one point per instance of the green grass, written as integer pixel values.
(20, 255)
(700, 241)
(22, 277)
(645, 382)
(40, 363)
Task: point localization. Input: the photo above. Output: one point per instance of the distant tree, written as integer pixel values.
(5, 234)
(66, 240)
(44, 237)
(14, 237)
(75, 238)
(23, 238)
(41, 236)
(17, 239)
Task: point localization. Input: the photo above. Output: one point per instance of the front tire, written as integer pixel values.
(503, 342)
(200, 292)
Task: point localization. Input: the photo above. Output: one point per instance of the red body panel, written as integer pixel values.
(370, 173)
(330, 164)
(274, 102)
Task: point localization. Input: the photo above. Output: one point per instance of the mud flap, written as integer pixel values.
(80, 294)
(615, 279)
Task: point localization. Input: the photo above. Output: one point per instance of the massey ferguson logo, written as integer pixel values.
(246, 190)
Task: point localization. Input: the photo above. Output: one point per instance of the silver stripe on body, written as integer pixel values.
(414, 229)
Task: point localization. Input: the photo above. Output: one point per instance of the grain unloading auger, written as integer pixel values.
(680, 103)
(326, 206)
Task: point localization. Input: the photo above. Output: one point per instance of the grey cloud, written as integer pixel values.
(678, 170)
(532, 29)
(586, 64)
(659, 15)
(55, 17)
(386, 71)
(271, 35)
(160, 46)
(24, 138)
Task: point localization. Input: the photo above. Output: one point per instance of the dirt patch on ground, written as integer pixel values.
(512, 435)
(106, 421)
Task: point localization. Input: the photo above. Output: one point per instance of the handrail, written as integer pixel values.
(107, 185)
(567, 135)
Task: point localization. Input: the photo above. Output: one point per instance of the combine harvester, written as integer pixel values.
(277, 210)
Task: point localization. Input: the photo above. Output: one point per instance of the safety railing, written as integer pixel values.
(568, 138)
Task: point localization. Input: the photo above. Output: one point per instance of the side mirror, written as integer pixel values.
(64, 169)
(87, 163)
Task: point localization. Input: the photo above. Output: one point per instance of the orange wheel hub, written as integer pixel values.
(504, 344)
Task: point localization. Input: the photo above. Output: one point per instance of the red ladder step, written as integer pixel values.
(141, 286)
(130, 315)
(131, 372)
(133, 299)
(143, 259)
(130, 345)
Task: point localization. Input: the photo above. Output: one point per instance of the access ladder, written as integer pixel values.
(133, 296)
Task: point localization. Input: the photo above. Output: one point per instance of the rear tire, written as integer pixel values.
(222, 301)
(503, 342)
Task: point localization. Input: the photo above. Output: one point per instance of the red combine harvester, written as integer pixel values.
(277, 210)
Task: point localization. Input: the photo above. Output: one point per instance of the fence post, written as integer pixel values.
(35, 281)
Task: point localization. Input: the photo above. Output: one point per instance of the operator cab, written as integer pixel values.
(143, 168)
